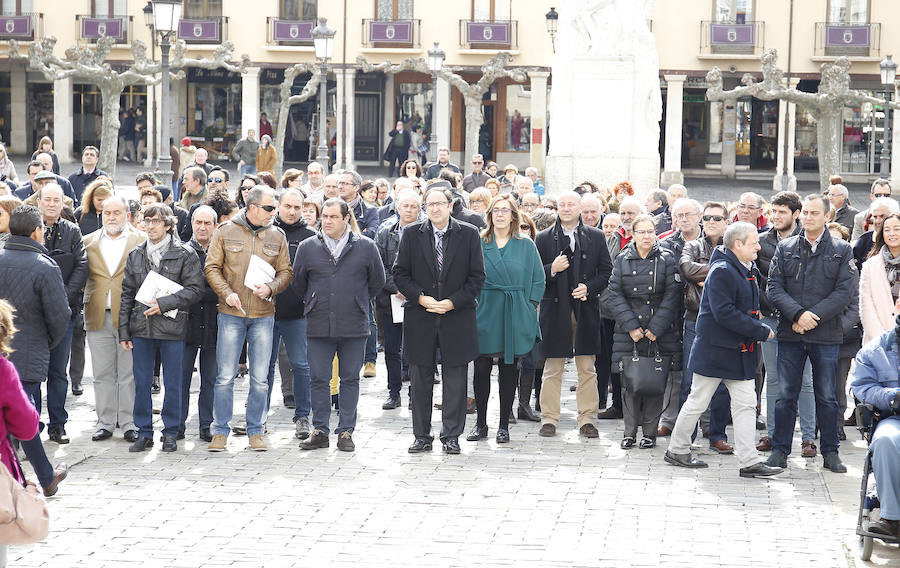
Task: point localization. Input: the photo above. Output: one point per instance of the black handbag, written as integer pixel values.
(646, 376)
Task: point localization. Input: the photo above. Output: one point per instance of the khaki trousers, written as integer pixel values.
(586, 396)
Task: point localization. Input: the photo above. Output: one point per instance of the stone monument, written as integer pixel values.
(606, 103)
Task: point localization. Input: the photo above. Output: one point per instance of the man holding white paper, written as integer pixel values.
(244, 312)
(409, 209)
(162, 279)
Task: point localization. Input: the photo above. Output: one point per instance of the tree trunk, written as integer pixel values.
(474, 120)
(280, 131)
(109, 135)
(829, 138)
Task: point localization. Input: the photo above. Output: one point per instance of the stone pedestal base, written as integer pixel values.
(668, 178)
(565, 172)
(779, 185)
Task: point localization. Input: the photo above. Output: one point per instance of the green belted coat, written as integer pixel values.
(507, 304)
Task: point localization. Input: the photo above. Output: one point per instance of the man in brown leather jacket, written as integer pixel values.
(246, 313)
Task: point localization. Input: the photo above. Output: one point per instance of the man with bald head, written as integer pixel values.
(577, 267)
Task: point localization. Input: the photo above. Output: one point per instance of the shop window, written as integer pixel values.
(491, 10)
(394, 9)
(108, 8)
(742, 129)
(806, 148)
(518, 118)
(414, 104)
(848, 11)
(202, 9)
(733, 11)
(16, 7)
(214, 114)
(298, 9)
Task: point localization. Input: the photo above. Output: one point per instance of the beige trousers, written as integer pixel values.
(586, 396)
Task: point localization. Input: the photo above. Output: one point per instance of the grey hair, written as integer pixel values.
(737, 232)
(756, 196)
(357, 179)
(840, 188)
(632, 200)
(530, 169)
(889, 202)
(52, 185)
(255, 195)
(121, 199)
(205, 209)
(660, 195)
(293, 190)
(881, 181)
(407, 193)
(315, 165)
(687, 201)
(402, 183)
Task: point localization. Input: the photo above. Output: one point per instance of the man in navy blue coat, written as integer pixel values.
(728, 327)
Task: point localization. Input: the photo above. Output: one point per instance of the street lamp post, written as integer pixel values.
(888, 75)
(552, 25)
(323, 40)
(166, 14)
(435, 64)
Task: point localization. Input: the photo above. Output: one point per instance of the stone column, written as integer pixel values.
(250, 101)
(63, 131)
(538, 118)
(729, 123)
(789, 138)
(346, 94)
(674, 104)
(390, 102)
(442, 108)
(18, 132)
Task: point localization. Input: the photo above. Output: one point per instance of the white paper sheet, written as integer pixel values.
(397, 308)
(258, 272)
(156, 286)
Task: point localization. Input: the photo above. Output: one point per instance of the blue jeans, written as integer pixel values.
(393, 356)
(233, 330)
(143, 357)
(293, 332)
(720, 405)
(885, 449)
(792, 356)
(350, 352)
(207, 384)
(34, 448)
(371, 341)
(807, 402)
(57, 380)
(247, 169)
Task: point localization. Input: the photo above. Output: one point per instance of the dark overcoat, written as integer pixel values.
(460, 281)
(588, 264)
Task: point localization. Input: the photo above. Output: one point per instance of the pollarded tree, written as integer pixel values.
(288, 100)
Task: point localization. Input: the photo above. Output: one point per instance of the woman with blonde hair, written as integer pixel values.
(89, 214)
(7, 168)
(480, 200)
(7, 204)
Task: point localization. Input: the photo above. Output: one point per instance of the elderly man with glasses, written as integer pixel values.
(749, 210)
(880, 188)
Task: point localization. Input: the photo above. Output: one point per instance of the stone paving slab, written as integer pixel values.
(563, 501)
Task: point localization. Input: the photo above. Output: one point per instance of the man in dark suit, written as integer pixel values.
(440, 271)
(397, 150)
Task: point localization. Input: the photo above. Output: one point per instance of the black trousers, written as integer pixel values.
(603, 363)
(453, 406)
(508, 379)
(398, 157)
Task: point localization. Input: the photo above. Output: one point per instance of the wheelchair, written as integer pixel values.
(867, 417)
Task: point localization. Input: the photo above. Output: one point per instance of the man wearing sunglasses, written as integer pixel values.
(880, 188)
(245, 313)
(478, 176)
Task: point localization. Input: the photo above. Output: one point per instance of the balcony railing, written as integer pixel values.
(746, 38)
(861, 40)
(391, 33)
(91, 29)
(24, 27)
(209, 30)
(499, 34)
(289, 32)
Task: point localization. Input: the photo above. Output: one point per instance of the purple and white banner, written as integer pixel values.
(487, 32)
(16, 27)
(400, 31)
(732, 34)
(837, 36)
(200, 30)
(292, 30)
(95, 28)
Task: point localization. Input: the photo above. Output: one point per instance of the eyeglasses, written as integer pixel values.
(881, 195)
(152, 221)
(685, 215)
(644, 232)
(716, 218)
(436, 204)
(266, 208)
(477, 163)
(216, 180)
(746, 207)
(502, 210)
(246, 187)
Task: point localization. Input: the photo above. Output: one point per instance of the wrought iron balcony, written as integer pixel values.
(498, 34)
(391, 33)
(861, 40)
(289, 32)
(208, 30)
(24, 27)
(745, 38)
(91, 29)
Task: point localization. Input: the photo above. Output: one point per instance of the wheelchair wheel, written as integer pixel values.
(865, 548)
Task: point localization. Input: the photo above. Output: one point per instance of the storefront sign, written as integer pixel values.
(391, 32)
(838, 36)
(487, 32)
(219, 75)
(292, 30)
(200, 30)
(16, 27)
(95, 28)
(732, 34)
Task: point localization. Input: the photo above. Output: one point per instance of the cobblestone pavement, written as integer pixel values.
(563, 501)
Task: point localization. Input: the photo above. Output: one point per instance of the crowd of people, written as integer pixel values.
(676, 314)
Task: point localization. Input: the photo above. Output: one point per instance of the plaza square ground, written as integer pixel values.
(563, 501)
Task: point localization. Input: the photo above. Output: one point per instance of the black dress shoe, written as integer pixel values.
(611, 413)
(169, 444)
(141, 444)
(684, 460)
(760, 469)
(289, 402)
(77, 390)
(477, 433)
(59, 436)
(526, 413)
(451, 446)
(155, 388)
(239, 430)
(391, 403)
(205, 435)
(131, 436)
(420, 446)
(180, 436)
(101, 434)
(502, 436)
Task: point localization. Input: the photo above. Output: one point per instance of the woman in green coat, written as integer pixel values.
(507, 310)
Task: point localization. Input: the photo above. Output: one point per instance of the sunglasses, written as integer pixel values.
(525, 227)
(216, 180)
(266, 208)
(716, 218)
(882, 195)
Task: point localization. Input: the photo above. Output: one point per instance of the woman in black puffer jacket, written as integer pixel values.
(644, 294)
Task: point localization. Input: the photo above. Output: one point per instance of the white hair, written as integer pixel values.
(632, 200)
(889, 202)
(531, 169)
(737, 232)
(684, 201)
